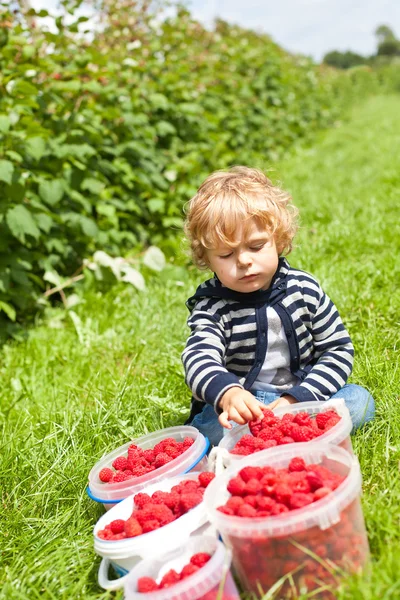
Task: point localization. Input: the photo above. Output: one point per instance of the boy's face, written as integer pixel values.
(250, 265)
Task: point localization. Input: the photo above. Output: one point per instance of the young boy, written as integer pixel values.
(261, 331)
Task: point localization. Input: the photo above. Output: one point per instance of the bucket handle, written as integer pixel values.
(104, 582)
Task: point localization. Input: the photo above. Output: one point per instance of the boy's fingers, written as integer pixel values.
(245, 412)
(224, 421)
(234, 415)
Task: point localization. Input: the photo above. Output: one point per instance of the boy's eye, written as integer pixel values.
(258, 247)
(226, 255)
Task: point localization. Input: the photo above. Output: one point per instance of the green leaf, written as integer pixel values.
(8, 309)
(88, 226)
(5, 124)
(154, 258)
(21, 223)
(14, 156)
(133, 277)
(44, 221)
(52, 191)
(92, 185)
(35, 147)
(6, 171)
(156, 205)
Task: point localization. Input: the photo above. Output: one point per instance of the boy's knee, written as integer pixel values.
(360, 404)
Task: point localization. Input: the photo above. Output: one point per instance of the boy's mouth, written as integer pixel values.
(248, 277)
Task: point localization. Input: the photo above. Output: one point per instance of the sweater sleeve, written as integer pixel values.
(333, 351)
(204, 356)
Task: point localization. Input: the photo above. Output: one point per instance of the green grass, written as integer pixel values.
(70, 393)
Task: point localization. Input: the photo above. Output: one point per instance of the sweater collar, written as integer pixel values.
(213, 288)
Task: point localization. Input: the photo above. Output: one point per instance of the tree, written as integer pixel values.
(384, 34)
(388, 44)
(344, 60)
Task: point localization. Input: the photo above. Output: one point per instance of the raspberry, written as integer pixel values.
(170, 578)
(188, 570)
(302, 418)
(331, 423)
(321, 492)
(234, 502)
(141, 499)
(226, 510)
(248, 473)
(297, 464)
(278, 509)
(323, 417)
(253, 486)
(190, 486)
(159, 512)
(162, 459)
(150, 525)
(266, 434)
(189, 500)
(251, 500)
(283, 493)
(286, 440)
(315, 480)
(265, 503)
(149, 455)
(120, 463)
(205, 478)
(200, 559)
(117, 526)
(236, 486)
(288, 418)
(277, 434)
(106, 475)
(132, 527)
(146, 584)
(246, 511)
(172, 451)
(119, 476)
(298, 500)
(187, 442)
(302, 434)
(270, 444)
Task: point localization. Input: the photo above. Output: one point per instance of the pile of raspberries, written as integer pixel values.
(274, 431)
(148, 584)
(139, 461)
(159, 509)
(266, 492)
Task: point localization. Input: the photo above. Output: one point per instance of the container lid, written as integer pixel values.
(324, 513)
(165, 538)
(182, 464)
(192, 588)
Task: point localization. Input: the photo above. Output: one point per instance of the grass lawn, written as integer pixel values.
(78, 388)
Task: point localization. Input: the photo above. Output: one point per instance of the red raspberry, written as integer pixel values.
(297, 464)
(279, 509)
(200, 559)
(247, 440)
(189, 500)
(283, 493)
(205, 478)
(323, 417)
(248, 473)
(277, 435)
(159, 512)
(132, 527)
(117, 526)
(302, 418)
(134, 454)
(172, 451)
(119, 476)
(302, 434)
(321, 492)
(331, 423)
(120, 463)
(226, 510)
(150, 525)
(146, 584)
(170, 578)
(149, 455)
(298, 500)
(253, 486)
(270, 444)
(141, 499)
(315, 480)
(266, 434)
(286, 440)
(251, 500)
(234, 502)
(265, 503)
(106, 475)
(187, 442)
(288, 418)
(236, 486)
(188, 570)
(162, 459)
(246, 511)
(190, 485)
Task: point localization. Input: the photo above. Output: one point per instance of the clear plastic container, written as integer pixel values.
(193, 459)
(124, 554)
(339, 435)
(299, 549)
(212, 582)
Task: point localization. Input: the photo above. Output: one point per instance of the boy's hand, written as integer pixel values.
(240, 406)
(283, 401)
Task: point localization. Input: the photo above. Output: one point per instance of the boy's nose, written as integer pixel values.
(244, 259)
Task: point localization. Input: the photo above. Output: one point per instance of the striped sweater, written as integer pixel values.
(228, 341)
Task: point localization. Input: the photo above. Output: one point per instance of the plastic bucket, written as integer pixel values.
(301, 548)
(211, 582)
(124, 554)
(193, 459)
(339, 435)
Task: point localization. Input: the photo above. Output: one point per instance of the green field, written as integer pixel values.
(82, 385)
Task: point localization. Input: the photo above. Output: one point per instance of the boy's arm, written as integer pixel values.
(334, 353)
(203, 359)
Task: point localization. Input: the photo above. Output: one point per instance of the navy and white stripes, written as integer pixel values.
(228, 339)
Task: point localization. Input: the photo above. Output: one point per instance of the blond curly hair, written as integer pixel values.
(233, 198)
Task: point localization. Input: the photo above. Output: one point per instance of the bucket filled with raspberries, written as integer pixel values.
(198, 570)
(151, 458)
(292, 517)
(329, 421)
(159, 518)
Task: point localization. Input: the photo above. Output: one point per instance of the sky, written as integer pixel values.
(311, 27)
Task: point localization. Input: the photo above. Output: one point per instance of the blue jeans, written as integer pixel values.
(358, 400)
